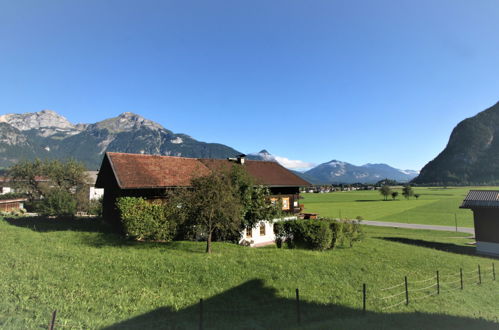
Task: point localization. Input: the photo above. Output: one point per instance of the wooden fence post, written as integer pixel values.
(438, 283)
(364, 297)
(493, 272)
(461, 271)
(52, 321)
(298, 314)
(201, 314)
(406, 291)
(479, 275)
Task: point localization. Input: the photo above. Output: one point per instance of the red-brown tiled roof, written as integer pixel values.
(150, 171)
(263, 172)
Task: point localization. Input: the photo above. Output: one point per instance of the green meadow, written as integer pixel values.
(435, 206)
(97, 280)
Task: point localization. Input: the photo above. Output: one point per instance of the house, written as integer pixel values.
(149, 176)
(93, 192)
(485, 207)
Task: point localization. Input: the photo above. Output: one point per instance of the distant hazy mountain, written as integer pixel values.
(471, 155)
(342, 172)
(262, 155)
(46, 134)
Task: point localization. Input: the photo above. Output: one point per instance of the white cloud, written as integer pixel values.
(293, 164)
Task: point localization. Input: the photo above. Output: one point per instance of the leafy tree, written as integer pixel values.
(57, 202)
(385, 191)
(417, 195)
(214, 203)
(25, 177)
(48, 178)
(407, 191)
(394, 195)
(255, 201)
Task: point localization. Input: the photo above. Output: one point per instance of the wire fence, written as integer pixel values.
(376, 299)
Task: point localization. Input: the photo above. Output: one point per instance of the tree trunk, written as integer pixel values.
(208, 243)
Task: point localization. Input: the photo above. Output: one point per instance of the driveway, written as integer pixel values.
(416, 226)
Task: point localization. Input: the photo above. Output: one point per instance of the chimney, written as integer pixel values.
(241, 158)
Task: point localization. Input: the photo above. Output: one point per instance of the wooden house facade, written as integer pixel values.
(149, 176)
(485, 207)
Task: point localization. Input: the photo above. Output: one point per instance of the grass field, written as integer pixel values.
(436, 206)
(97, 280)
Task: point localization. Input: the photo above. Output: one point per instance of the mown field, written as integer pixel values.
(436, 206)
(95, 279)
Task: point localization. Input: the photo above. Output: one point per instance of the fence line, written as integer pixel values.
(425, 288)
(422, 281)
(392, 287)
(394, 295)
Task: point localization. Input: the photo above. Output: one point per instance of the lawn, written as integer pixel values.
(436, 206)
(95, 279)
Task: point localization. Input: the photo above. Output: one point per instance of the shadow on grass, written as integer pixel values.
(44, 224)
(447, 247)
(254, 306)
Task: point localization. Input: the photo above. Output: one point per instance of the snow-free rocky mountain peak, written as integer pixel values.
(46, 134)
(46, 122)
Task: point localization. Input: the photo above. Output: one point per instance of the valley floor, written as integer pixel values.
(435, 206)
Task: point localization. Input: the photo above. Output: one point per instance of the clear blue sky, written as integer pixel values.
(359, 81)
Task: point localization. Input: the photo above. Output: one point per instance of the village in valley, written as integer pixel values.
(141, 202)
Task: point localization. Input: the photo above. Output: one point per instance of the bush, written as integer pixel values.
(145, 220)
(316, 234)
(56, 202)
(95, 207)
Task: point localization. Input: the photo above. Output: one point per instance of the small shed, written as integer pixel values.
(13, 204)
(485, 207)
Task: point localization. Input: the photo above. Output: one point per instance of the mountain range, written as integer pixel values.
(471, 155)
(46, 134)
(335, 172)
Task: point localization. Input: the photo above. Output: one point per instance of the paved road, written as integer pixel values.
(416, 226)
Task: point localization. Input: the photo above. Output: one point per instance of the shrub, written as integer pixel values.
(145, 220)
(95, 207)
(317, 234)
(56, 202)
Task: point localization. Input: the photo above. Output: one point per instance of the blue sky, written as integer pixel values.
(358, 81)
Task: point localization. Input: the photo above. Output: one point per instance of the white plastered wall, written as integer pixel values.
(259, 240)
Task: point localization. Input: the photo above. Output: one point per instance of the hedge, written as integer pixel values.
(317, 234)
(145, 220)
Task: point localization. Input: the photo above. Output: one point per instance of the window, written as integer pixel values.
(249, 232)
(285, 203)
(273, 200)
(262, 228)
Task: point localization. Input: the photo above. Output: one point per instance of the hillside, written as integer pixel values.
(471, 155)
(97, 280)
(46, 134)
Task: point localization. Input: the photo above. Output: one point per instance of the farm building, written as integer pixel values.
(485, 207)
(93, 192)
(149, 176)
(12, 205)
